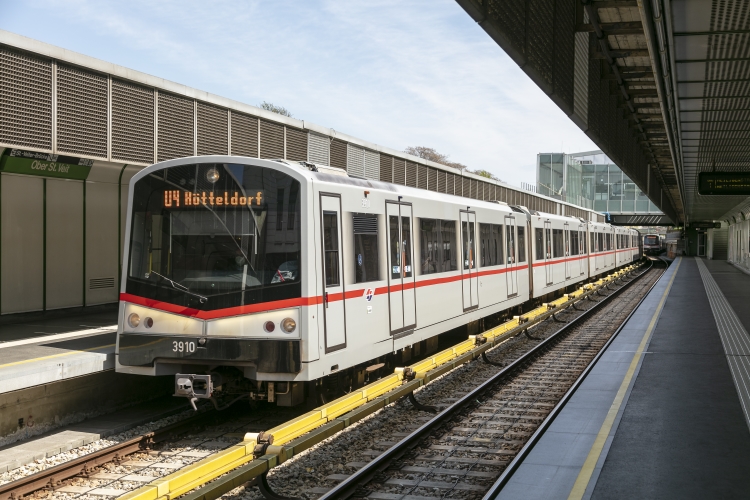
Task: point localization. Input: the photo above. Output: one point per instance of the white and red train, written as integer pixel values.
(271, 277)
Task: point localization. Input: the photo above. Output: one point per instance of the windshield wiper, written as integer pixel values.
(178, 287)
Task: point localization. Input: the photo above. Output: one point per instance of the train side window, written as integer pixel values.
(448, 235)
(600, 242)
(557, 243)
(593, 242)
(406, 244)
(511, 244)
(486, 245)
(395, 247)
(331, 247)
(539, 243)
(366, 247)
(521, 244)
(574, 243)
(429, 238)
(583, 244)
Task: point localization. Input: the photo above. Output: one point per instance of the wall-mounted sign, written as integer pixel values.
(177, 198)
(20, 161)
(724, 183)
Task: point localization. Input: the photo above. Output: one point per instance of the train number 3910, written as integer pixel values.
(183, 346)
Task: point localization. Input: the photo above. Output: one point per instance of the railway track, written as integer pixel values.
(122, 467)
(476, 441)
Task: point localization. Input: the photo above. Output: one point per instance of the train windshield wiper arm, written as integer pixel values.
(178, 287)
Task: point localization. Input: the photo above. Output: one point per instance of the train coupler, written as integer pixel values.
(194, 387)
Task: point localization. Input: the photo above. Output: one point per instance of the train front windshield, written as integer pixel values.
(651, 240)
(212, 236)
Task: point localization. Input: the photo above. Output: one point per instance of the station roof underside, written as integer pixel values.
(661, 86)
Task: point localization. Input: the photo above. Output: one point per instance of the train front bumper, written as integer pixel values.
(269, 356)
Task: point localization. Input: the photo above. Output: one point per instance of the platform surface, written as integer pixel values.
(41, 350)
(669, 421)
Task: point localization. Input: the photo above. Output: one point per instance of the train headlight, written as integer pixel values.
(212, 175)
(134, 320)
(269, 326)
(288, 325)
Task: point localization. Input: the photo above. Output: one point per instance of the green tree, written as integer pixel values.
(280, 110)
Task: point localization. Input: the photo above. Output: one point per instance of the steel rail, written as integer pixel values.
(52, 477)
(534, 439)
(350, 485)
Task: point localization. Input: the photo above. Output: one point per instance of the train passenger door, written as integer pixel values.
(511, 276)
(470, 278)
(566, 242)
(334, 315)
(549, 272)
(582, 262)
(401, 294)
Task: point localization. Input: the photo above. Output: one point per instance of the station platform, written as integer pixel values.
(36, 349)
(664, 411)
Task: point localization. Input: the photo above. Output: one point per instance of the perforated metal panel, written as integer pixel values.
(581, 78)
(132, 123)
(318, 149)
(372, 165)
(338, 154)
(81, 112)
(432, 181)
(25, 100)
(271, 140)
(176, 130)
(411, 174)
(213, 133)
(244, 135)
(355, 161)
(296, 144)
(422, 176)
(399, 171)
(386, 168)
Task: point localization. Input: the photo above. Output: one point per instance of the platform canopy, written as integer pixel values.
(661, 86)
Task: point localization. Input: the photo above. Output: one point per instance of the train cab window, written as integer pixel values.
(521, 244)
(366, 266)
(206, 236)
(557, 243)
(539, 243)
(331, 248)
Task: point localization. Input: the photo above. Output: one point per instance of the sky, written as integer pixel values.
(395, 73)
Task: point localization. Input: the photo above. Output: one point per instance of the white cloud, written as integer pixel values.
(395, 73)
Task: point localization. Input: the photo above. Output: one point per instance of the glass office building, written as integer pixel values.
(590, 180)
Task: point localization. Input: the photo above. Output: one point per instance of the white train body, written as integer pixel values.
(362, 268)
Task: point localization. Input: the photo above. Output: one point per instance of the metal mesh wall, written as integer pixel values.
(271, 140)
(213, 133)
(132, 123)
(244, 135)
(338, 154)
(355, 161)
(432, 179)
(296, 144)
(422, 176)
(399, 171)
(176, 127)
(386, 168)
(411, 174)
(318, 149)
(25, 100)
(372, 165)
(81, 112)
